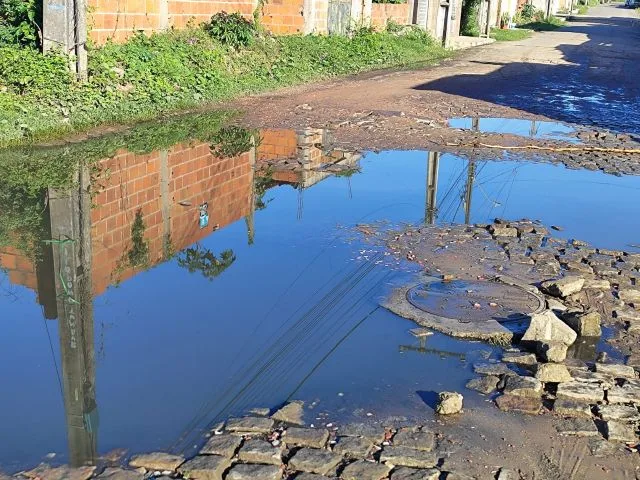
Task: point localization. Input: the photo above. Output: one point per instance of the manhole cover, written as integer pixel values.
(474, 301)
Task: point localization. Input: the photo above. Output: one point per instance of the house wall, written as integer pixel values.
(382, 13)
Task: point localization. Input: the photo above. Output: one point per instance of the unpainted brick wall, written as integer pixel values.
(382, 13)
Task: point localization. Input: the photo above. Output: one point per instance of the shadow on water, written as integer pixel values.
(596, 86)
(429, 398)
(206, 270)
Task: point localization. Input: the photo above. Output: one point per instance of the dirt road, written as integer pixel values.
(585, 73)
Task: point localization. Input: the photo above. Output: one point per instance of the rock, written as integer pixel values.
(627, 315)
(601, 448)
(250, 425)
(353, 447)
(449, 403)
(507, 474)
(292, 412)
(580, 392)
(552, 351)
(45, 472)
(205, 467)
(420, 440)
(585, 324)
(503, 231)
(616, 370)
(629, 295)
(556, 306)
(120, 474)
(563, 287)
(517, 403)
(594, 284)
(363, 470)
(157, 461)
(408, 457)
(633, 360)
(406, 473)
(520, 358)
(458, 476)
(254, 472)
(624, 413)
(485, 384)
(306, 437)
(571, 408)
(627, 393)
(260, 412)
(605, 381)
(495, 369)
(315, 461)
(310, 476)
(260, 451)
(224, 445)
(370, 432)
(545, 327)
(619, 432)
(553, 373)
(580, 427)
(523, 387)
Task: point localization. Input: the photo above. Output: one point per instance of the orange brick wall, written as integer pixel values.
(198, 11)
(381, 13)
(119, 19)
(283, 16)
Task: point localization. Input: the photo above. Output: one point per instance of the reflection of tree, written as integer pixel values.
(138, 254)
(232, 141)
(200, 259)
(263, 182)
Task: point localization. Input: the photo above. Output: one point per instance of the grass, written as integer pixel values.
(176, 70)
(509, 35)
(547, 25)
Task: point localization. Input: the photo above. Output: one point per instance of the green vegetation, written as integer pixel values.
(149, 76)
(470, 19)
(509, 35)
(583, 9)
(231, 29)
(544, 25)
(390, 1)
(19, 21)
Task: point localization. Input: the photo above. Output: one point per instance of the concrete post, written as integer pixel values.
(64, 28)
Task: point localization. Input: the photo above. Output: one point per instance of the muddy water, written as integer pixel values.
(191, 282)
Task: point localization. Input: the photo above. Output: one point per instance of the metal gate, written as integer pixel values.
(339, 17)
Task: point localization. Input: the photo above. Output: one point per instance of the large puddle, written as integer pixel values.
(198, 279)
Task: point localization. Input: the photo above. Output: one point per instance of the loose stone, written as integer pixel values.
(408, 457)
(363, 470)
(619, 432)
(601, 448)
(516, 403)
(594, 284)
(353, 447)
(449, 403)
(553, 373)
(370, 432)
(616, 370)
(205, 467)
(496, 369)
(315, 461)
(585, 325)
(570, 408)
(605, 381)
(629, 295)
(486, 384)
(545, 327)
(581, 392)
(260, 451)
(250, 425)
(120, 474)
(45, 472)
(580, 427)
(420, 440)
(523, 387)
(508, 474)
(406, 473)
(503, 231)
(292, 412)
(156, 461)
(254, 472)
(306, 437)
(627, 393)
(552, 351)
(519, 358)
(310, 476)
(224, 445)
(563, 287)
(624, 413)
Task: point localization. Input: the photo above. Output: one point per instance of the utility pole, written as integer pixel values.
(64, 28)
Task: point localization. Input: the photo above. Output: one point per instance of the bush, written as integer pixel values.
(231, 29)
(19, 22)
(528, 11)
(470, 21)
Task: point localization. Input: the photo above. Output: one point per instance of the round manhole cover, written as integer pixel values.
(474, 301)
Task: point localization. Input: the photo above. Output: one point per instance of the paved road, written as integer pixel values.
(587, 72)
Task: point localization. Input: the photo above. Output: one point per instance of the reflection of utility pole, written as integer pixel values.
(471, 172)
(433, 351)
(432, 186)
(252, 197)
(70, 219)
(533, 129)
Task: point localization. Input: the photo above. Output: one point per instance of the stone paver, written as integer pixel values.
(254, 472)
(310, 476)
(627, 393)
(225, 445)
(371, 432)
(571, 408)
(260, 451)
(250, 425)
(313, 460)
(523, 386)
(484, 384)
(516, 403)
(616, 370)
(363, 470)
(408, 457)
(580, 427)
(45, 472)
(292, 412)
(406, 473)
(156, 461)
(495, 369)
(353, 447)
(205, 467)
(120, 474)
(581, 392)
(620, 432)
(616, 412)
(306, 437)
(420, 440)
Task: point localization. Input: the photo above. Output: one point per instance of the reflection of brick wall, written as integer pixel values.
(382, 13)
(20, 269)
(277, 144)
(119, 19)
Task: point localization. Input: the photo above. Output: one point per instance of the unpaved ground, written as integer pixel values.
(585, 74)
